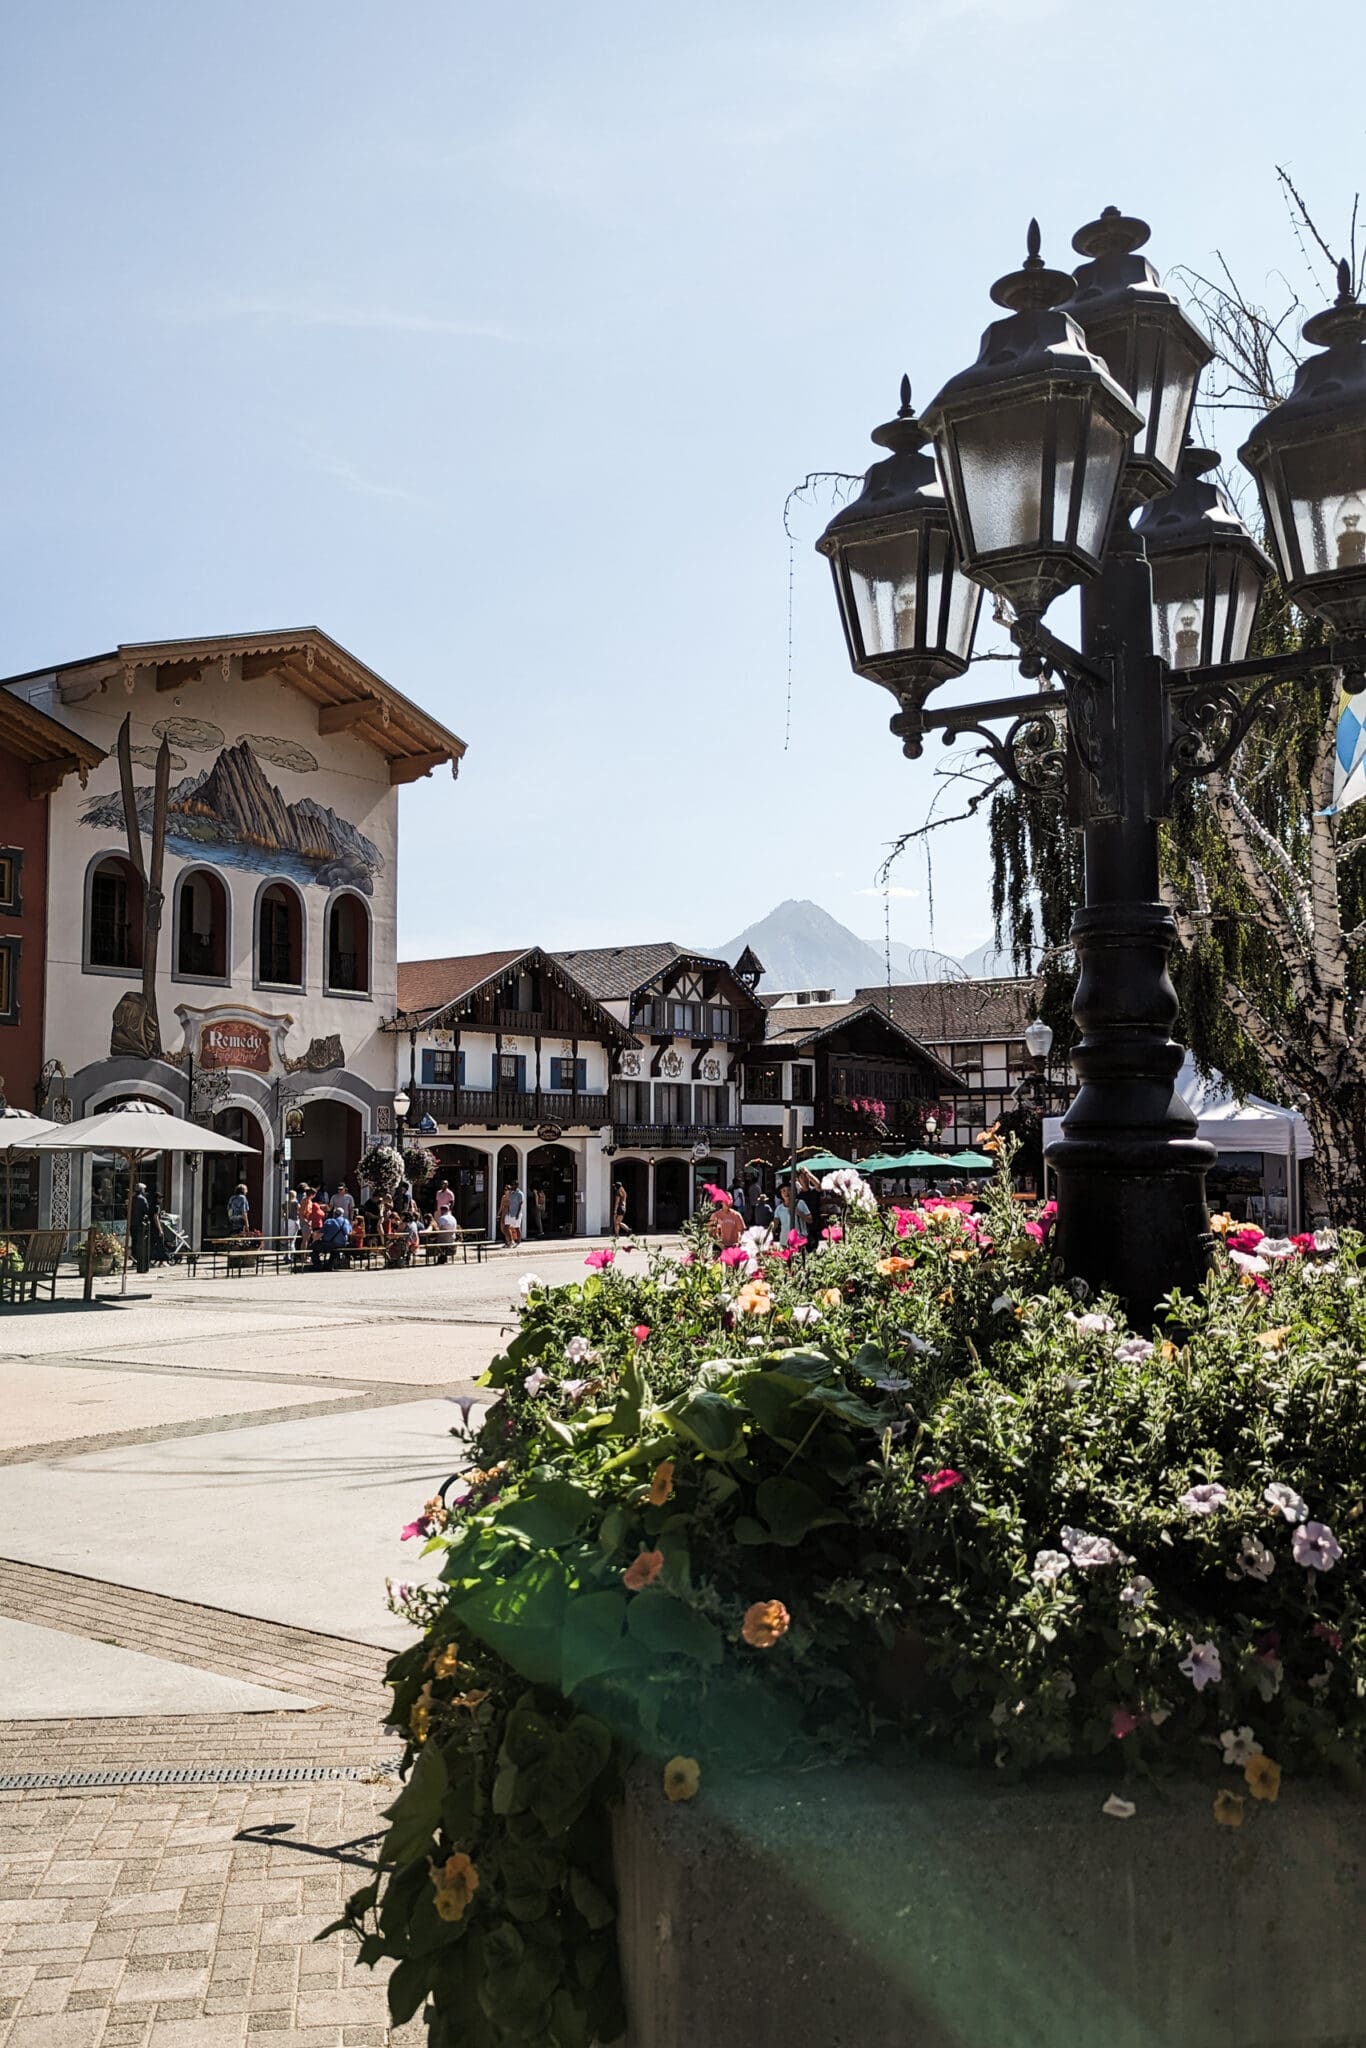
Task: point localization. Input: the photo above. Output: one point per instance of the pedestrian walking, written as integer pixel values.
(344, 1200)
(239, 1209)
(510, 1212)
(444, 1200)
(620, 1226)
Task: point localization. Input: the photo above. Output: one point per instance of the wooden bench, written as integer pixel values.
(41, 1256)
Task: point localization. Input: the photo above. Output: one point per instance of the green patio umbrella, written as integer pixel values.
(878, 1162)
(971, 1162)
(820, 1162)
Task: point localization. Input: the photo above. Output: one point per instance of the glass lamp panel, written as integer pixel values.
(1241, 612)
(1000, 456)
(1180, 375)
(951, 598)
(1179, 609)
(1325, 483)
(884, 592)
(1106, 449)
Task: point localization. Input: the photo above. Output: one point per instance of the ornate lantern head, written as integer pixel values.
(1144, 339)
(1032, 441)
(1309, 459)
(909, 612)
(1208, 571)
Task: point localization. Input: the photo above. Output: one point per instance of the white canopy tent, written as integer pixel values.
(136, 1130)
(18, 1129)
(1238, 1124)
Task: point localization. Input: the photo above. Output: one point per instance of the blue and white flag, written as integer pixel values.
(1349, 768)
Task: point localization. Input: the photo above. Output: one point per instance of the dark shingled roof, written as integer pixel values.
(613, 972)
(938, 1012)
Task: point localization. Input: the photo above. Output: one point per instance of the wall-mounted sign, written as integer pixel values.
(294, 1123)
(548, 1133)
(235, 1042)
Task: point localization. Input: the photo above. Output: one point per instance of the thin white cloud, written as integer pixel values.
(347, 474)
(298, 312)
(898, 893)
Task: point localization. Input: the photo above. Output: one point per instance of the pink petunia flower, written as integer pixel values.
(642, 1332)
(1331, 1636)
(600, 1259)
(942, 1480)
(421, 1527)
(1122, 1722)
(734, 1256)
(1245, 1239)
(832, 1233)
(717, 1196)
(1315, 1547)
(1036, 1231)
(686, 1258)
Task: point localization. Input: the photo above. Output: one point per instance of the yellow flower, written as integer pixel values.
(455, 1883)
(662, 1485)
(1170, 1352)
(946, 1295)
(764, 1623)
(960, 1257)
(989, 1141)
(682, 1776)
(1221, 1224)
(1272, 1340)
(643, 1571)
(444, 1661)
(420, 1720)
(894, 1264)
(830, 1297)
(755, 1298)
(1228, 1809)
(1263, 1778)
(471, 1700)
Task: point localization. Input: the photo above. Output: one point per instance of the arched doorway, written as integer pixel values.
(672, 1190)
(550, 1172)
(634, 1176)
(467, 1174)
(509, 1170)
(221, 1172)
(329, 1146)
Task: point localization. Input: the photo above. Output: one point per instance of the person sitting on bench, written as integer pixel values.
(333, 1239)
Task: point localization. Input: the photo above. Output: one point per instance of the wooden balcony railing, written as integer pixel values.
(452, 1107)
(672, 1137)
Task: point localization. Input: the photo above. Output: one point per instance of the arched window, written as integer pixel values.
(114, 914)
(201, 926)
(348, 945)
(279, 937)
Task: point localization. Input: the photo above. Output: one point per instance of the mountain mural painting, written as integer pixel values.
(233, 812)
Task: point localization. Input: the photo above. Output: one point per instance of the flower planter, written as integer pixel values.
(862, 1908)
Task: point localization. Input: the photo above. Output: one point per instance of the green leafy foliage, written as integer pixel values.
(907, 1496)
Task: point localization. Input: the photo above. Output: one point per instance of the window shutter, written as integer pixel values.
(521, 1073)
(428, 1067)
(581, 1075)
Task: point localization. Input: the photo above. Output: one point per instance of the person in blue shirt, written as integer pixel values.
(332, 1239)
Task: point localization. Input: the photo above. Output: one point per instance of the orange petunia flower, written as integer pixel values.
(830, 1297)
(894, 1264)
(662, 1485)
(682, 1775)
(765, 1623)
(755, 1298)
(455, 1883)
(1272, 1340)
(1263, 1778)
(644, 1571)
(444, 1662)
(1228, 1809)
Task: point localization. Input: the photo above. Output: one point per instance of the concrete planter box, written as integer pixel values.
(863, 1908)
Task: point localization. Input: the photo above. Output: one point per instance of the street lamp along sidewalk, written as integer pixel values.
(1060, 459)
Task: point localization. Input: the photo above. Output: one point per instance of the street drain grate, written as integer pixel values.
(192, 1774)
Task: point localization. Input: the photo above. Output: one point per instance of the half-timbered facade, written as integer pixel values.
(675, 1095)
(507, 1061)
(858, 1078)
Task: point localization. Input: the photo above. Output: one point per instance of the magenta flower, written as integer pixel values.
(685, 1258)
(421, 1527)
(1331, 1636)
(942, 1480)
(717, 1196)
(1315, 1547)
(642, 1331)
(1122, 1722)
(733, 1255)
(1245, 1239)
(600, 1259)
(1034, 1230)
(832, 1234)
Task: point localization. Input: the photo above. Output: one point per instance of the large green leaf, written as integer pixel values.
(772, 1400)
(593, 1637)
(792, 1509)
(414, 1814)
(664, 1624)
(711, 1420)
(549, 1513)
(633, 1399)
(408, 1986)
(850, 1407)
(521, 1617)
(559, 1787)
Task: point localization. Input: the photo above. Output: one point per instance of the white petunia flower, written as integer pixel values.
(1239, 1745)
(1133, 1350)
(528, 1283)
(1202, 1666)
(1287, 1501)
(1090, 1553)
(1255, 1561)
(577, 1351)
(1315, 1547)
(1119, 1809)
(1093, 1324)
(806, 1314)
(1049, 1566)
(1204, 1499)
(1135, 1594)
(534, 1381)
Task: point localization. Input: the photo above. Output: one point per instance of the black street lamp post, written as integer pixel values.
(1070, 423)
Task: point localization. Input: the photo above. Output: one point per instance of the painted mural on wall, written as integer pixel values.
(233, 813)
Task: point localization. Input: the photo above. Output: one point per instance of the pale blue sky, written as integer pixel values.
(492, 339)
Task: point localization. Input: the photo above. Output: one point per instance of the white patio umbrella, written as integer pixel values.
(18, 1129)
(136, 1130)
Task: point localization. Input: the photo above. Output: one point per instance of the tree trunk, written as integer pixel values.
(1338, 1122)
